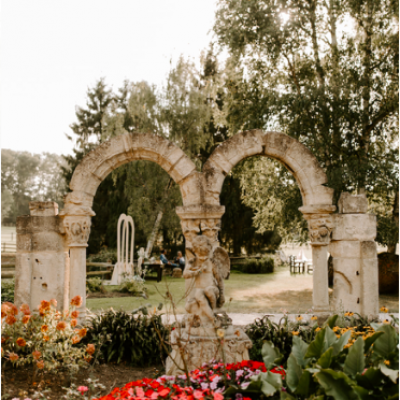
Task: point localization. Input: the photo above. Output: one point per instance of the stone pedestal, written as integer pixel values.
(202, 345)
(42, 260)
(355, 263)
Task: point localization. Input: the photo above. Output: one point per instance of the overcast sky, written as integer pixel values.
(52, 51)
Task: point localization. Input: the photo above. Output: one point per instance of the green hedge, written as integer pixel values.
(7, 291)
(263, 265)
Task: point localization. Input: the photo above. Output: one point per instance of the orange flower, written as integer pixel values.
(44, 328)
(76, 339)
(87, 359)
(75, 314)
(13, 357)
(10, 308)
(74, 322)
(90, 349)
(3, 339)
(11, 320)
(82, 332)
(46, 338)
(25, 319)
(57, 315)
(36, 354)
(53, 302)
(25, 309)
(5, 310)
(21, 342)
(40, 364)
(76, 301)
(61, 326)
(45, 305)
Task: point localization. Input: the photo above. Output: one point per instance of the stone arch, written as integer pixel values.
(120, 150)
(297, 158)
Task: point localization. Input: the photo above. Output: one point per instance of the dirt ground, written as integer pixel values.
(21, 382)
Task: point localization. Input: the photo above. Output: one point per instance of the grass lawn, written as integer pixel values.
(264, 293)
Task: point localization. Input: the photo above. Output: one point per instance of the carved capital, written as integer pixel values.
(320, 227)
(77, 229)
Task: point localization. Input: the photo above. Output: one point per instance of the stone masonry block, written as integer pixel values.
(182, 169)
(218, 161)
(85, 181)
(276, 144)
(370, 287)
(22, 278)
(191, 187)
(361, 227)
(43, 208)
(353, 204)
(322, 194)
(368, 250)
(345, 249)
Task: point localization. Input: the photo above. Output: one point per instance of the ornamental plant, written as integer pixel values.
(216, 381)
(342, 363)
(48, 339)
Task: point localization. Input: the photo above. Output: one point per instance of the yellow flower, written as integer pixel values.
(299, 318)
(295, 333)
(386, 321)
(387, 362)
(220, 333)
(337, 335)
(314, 318)
(346, 346)
(336, 328)
(384, 309)
(317, 329)
(348, 314)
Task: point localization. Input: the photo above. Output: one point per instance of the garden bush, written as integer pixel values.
(49, 339)
(133, 285)
(264, 265)
(95, 285)
(7, 291)
(133, 337)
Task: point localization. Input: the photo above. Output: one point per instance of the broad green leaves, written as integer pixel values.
(355, 362)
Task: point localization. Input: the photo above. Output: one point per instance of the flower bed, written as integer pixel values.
(212, 381)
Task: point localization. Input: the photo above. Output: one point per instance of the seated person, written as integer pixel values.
(180, 260)
(165, 261)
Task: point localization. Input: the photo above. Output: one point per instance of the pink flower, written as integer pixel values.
(218, 396)
(140, 392)
(82, 389)
(198, 394)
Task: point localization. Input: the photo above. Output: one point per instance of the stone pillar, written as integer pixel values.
(355, 262)
(77, 229)
(42, 259)
(320, 227)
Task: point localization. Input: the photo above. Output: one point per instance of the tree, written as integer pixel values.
(324, 72)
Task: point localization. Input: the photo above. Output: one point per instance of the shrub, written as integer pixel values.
(340, 363)
(104, 256)
(131, 337)
(95, 285)
(133, 285)
(254, 266)
(7, 291)
(48, 339)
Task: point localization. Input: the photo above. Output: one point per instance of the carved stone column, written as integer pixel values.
(77, 230)
(320, 228)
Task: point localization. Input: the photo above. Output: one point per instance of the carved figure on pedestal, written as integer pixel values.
(207, 269)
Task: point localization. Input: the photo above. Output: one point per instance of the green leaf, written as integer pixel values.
(299, 350)
(387, 343)
(369, 341)
(369, 379)
(316, 347)
(392, 374)
(363, 393)
(330, 338)
(341, 342)
(331, 321)
(355, 360)
(303, 388)
(325, 360)
(287, 396)
(336, 384)
(270, 354)
(270, 382)
(293, 373)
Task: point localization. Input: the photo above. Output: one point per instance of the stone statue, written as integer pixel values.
(196, 339)
(207, 270)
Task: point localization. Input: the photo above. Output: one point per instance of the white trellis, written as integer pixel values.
(124, 265)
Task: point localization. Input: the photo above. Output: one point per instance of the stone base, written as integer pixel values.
(201, 345)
